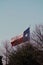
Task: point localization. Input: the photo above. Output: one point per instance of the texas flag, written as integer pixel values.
(26, 35)
(21, 38)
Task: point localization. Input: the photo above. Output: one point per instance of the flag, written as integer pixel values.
(21, 38)
(26, 35)
(17, 40)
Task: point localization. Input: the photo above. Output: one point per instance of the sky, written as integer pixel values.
(17, 15)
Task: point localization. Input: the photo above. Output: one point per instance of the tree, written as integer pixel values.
(38, 41)
(38, 37)
(25, 55)
(7, 48)
(1, 60)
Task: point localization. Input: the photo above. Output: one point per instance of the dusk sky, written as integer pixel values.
(17, 15)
